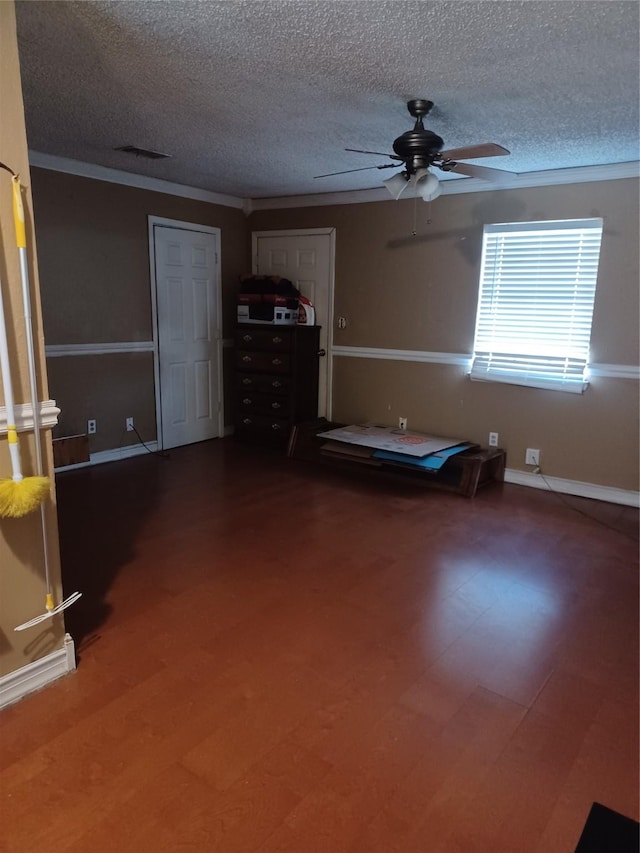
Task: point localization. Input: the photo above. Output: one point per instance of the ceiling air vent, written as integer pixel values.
(142, 152)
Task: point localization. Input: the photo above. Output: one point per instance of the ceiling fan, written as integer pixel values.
(419, 149)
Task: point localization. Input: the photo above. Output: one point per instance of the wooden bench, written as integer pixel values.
(464, 473)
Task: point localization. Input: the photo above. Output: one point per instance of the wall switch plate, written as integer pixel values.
(129, 424)
(532, 457)
(91, 427)
(402, 423)
(493, 439)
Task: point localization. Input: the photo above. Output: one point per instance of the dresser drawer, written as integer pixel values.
(268, 362)
(275, 381)
(256, 403)
(263, 383)
(272, 340)
(269, 427)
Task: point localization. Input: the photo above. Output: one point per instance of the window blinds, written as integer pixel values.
(537, 289)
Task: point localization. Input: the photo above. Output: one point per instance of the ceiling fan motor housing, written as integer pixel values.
(418, 148)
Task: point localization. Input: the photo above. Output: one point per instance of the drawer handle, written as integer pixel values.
(247, 337)
(247, 381)
(276, 361)
(276, 426)
(247, 401)
(246, 358)
(276, 383)
(246, 420)
(276, 406)
(276, 340)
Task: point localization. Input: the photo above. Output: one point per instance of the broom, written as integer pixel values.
(20, 494)
(21, 243)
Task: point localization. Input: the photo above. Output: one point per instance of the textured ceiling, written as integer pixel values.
(253, 99)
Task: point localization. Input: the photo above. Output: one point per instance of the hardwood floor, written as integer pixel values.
(278, 657)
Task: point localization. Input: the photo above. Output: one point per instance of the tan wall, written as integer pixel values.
(22, 586)
(108, 388)
(94, 260)
(398, 291)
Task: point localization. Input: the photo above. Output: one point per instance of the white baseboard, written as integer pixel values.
(34, 676)
(573, 487)
(123, 452)
(113, 455)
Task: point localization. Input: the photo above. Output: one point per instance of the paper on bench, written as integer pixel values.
(433, 462)
(389, 438)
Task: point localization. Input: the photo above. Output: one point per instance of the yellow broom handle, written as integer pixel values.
(18, 214)
(5, 372)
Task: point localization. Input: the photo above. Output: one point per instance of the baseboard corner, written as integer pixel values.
(34, 676)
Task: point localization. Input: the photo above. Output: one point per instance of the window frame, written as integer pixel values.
(525, 332)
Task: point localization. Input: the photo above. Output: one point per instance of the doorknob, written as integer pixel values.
(322, 352)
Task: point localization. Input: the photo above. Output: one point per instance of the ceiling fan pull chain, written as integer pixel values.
(415, 216)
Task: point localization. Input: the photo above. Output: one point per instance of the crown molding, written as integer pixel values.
(450, 186)
(130, 179)
(455, 186)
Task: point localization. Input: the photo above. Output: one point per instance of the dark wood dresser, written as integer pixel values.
(276, 380)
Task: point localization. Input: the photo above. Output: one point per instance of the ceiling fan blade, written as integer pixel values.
(361, 169)
(378, 153)
(471, 152)
(496, 176)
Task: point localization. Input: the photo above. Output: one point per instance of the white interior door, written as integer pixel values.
(306, 258)
(188, 334)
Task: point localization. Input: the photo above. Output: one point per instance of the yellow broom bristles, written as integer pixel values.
(21, 497)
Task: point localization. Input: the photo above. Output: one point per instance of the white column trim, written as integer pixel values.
(34, 676)
(24, 416)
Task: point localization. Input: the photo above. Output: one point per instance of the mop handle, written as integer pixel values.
(18, 214)
(21, 243)
(12, 432)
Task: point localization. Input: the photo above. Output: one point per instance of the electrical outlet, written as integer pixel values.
(532, 457)
(130, 425)
(402, 423)
(493, 439)
(91, 427)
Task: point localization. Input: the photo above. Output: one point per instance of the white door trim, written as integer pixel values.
(305, 232)
(154, 221)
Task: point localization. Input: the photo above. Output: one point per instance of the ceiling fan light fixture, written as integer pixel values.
(427, 185)
(396, 184)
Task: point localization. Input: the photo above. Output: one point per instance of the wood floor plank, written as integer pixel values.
(450, 771)
(276, 657)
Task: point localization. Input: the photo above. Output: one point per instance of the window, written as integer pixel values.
(537, 288)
